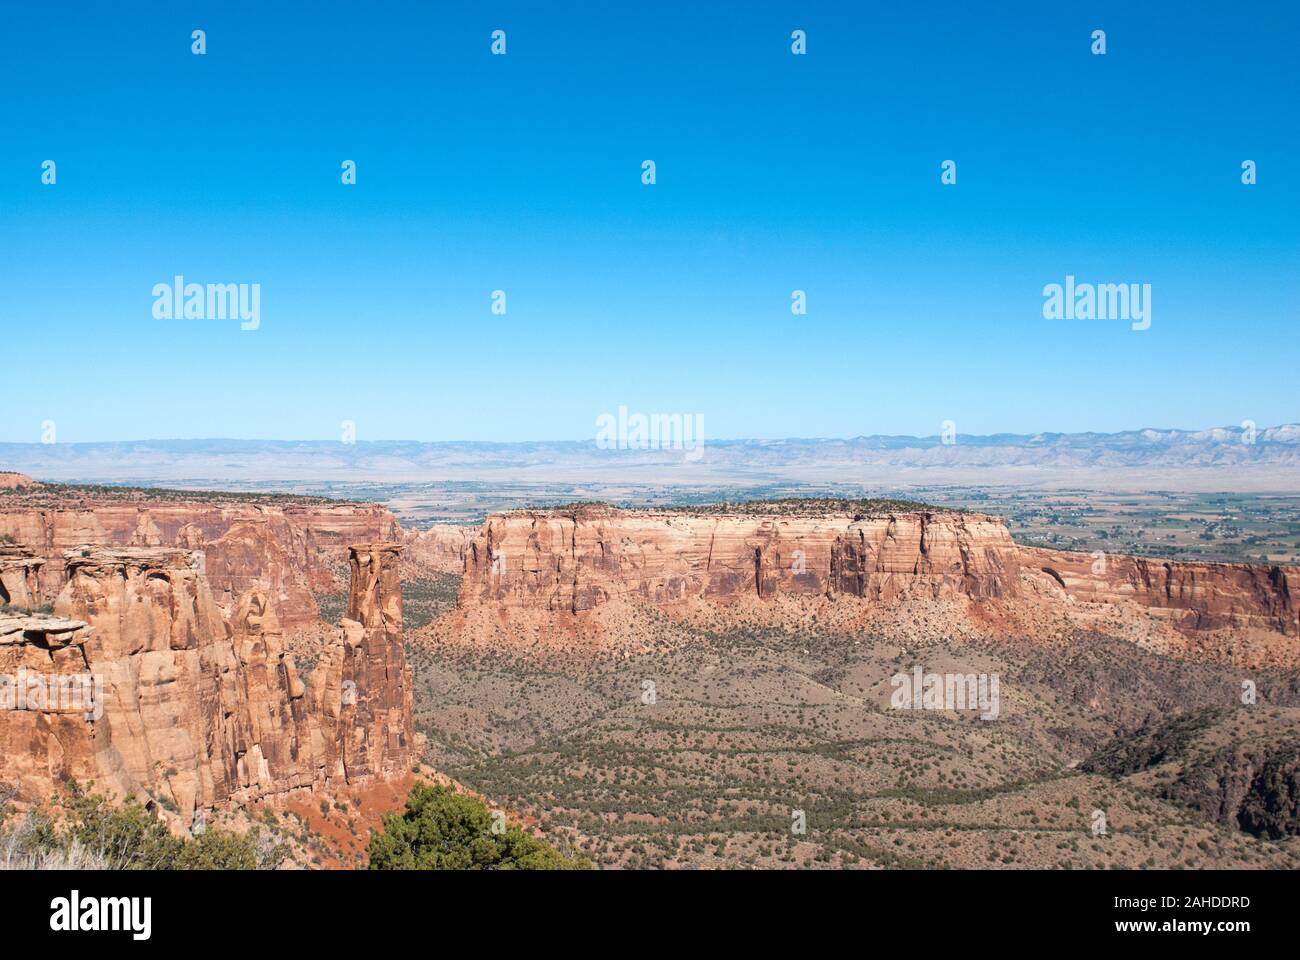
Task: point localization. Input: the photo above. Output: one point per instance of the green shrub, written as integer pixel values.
(445, 830)
(90, 829)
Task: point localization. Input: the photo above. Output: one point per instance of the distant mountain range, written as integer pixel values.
(1218, 458)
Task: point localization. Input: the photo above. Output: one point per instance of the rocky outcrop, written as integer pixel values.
(577, 560)
(20, 581)
(250, 555)
(1254, 788)
(200, 711)
(371, 716)
(440, 549)
(47, 703)
(1240, 776)
(1193, 596)
(291, 551)
(10, 480)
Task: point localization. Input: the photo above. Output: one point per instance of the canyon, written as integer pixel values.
(193, 610)
(670, 684)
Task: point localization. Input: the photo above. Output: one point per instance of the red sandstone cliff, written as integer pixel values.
(20, 577)
(197, 710)
(1193, 596)
(43, 737)
(373, 723)
(290, 550)
(440, 549)
(575, 560)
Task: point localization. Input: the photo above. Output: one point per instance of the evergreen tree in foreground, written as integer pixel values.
(445, 830)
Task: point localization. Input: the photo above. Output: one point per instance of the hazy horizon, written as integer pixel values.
(544, 441)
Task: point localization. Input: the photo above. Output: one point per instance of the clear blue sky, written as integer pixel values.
(522, 173)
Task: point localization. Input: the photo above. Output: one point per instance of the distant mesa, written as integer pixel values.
(577, 558)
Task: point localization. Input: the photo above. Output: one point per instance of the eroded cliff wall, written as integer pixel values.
(440, 549)
(199, 710)
(1194, 596)
(575, 560)
(289, 551)
(45, 732)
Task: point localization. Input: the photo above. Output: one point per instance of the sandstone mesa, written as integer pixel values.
(577, 561)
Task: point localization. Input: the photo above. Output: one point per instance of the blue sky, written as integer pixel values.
(522, 173)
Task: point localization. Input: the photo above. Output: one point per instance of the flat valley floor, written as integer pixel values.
(764, 746)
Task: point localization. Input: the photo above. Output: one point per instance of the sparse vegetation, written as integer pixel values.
(87, 831)
(65, 492)
(781, 506)
(751, 722)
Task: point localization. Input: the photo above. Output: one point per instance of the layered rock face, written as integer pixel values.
(1194, 596)
(290, 552)
(569, 561)
(20, 580)
(47, 730)
(250, 555)
(440, 549)
(372, 726)
(199, 710)
(575, 561)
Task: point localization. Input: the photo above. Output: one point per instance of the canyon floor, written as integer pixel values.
(750, 723)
